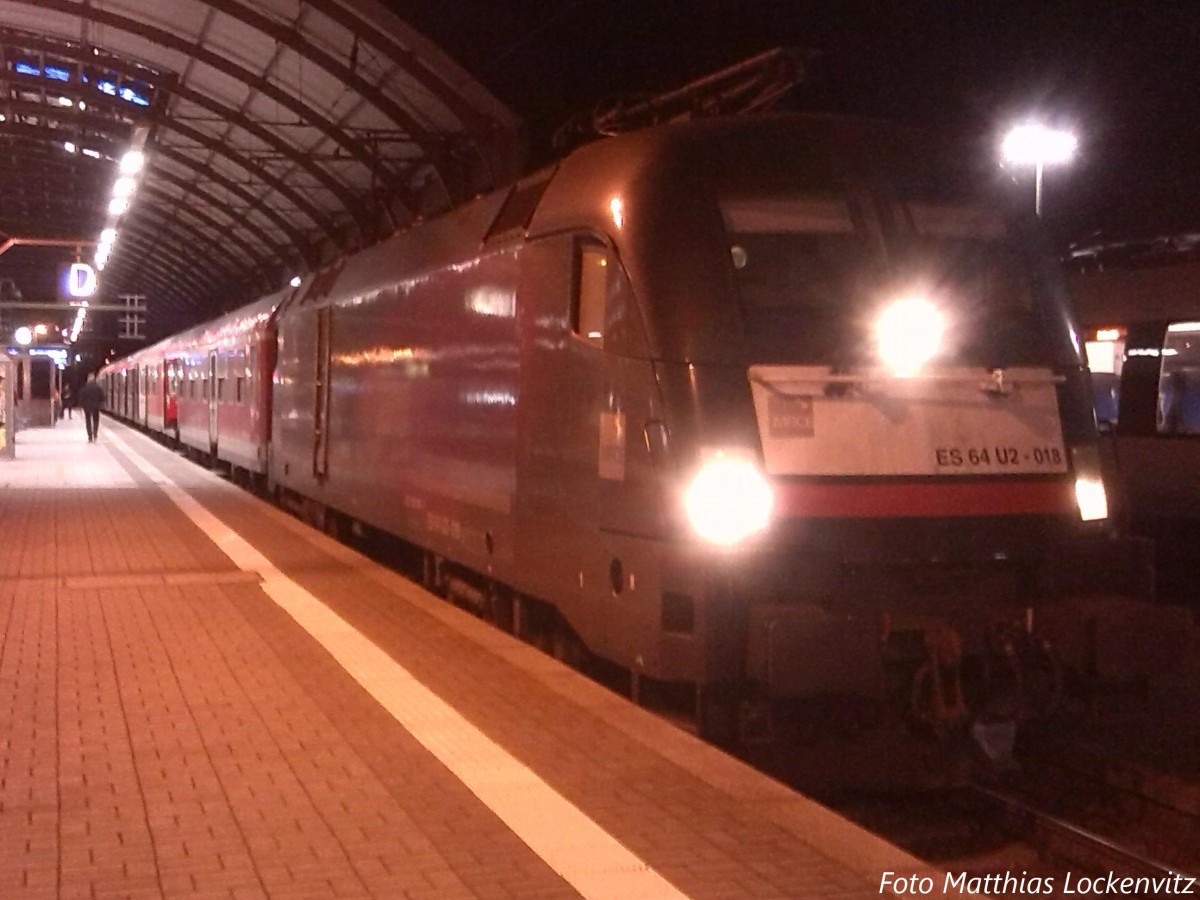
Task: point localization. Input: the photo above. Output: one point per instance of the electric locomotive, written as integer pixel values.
(773, 407)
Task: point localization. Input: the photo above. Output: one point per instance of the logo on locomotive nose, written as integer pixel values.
(789, 417)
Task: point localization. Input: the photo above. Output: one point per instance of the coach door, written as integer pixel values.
(322, 389)
(144, 398)
(132, 376)
(213, 390)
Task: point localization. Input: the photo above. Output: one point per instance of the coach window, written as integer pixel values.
(1179, 383)
(591, 291)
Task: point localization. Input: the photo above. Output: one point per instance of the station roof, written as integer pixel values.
(278, 134)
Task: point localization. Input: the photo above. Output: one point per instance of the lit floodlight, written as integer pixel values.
(124, 186)
(118, 205)
(23, 335)
(909, 332)
(295, 282)
(1038, 146)
(1028, 145)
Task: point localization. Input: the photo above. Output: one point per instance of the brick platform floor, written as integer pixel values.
(171, 723)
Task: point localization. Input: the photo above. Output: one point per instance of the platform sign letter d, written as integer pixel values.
(81, 280)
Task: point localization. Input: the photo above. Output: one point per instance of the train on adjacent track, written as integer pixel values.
(1137, 302)
(772, 407)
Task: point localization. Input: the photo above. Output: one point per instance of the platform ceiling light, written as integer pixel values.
(129, 168)
(80, 316)
(132, 162)
(1036, 145)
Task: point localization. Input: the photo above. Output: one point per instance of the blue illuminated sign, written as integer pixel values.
(132, 96)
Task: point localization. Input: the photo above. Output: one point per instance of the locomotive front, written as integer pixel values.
(877, 414)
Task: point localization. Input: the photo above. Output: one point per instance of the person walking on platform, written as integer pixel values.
(91, 398)
(68, 399)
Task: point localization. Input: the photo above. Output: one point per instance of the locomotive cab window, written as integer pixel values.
(812, 276)
(591, 291)
(800, 265)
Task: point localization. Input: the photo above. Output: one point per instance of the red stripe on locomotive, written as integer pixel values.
(925, 499)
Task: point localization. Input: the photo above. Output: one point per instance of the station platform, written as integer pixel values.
(201, 696)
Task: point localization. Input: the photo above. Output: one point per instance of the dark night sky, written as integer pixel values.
(1125, 75)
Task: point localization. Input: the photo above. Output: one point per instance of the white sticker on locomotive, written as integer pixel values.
(789, 417)
(950, 421)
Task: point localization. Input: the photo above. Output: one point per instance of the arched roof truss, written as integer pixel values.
(279, 134)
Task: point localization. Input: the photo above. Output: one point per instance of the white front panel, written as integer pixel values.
(949, 421)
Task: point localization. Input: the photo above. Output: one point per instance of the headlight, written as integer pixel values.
(729, 499)
(1089, 485)
(909, 332)
(1093, 502)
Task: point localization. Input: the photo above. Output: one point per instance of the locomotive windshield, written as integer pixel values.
(811, 273)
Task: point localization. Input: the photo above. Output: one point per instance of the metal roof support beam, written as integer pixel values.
(183, 280)
(188, 235)
(348, 199)
(204, 279)
(174, 211)
(302, 243)
(253, 80)
(237, 224)
(503, 163)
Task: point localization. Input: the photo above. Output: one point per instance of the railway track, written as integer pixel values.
(1066, 845)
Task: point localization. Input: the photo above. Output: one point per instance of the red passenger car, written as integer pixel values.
(209, 388)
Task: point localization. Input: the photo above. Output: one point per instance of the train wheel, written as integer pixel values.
(500, 609)
(718, 714)
(336, 526)
(431, 574)
(567, 648)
